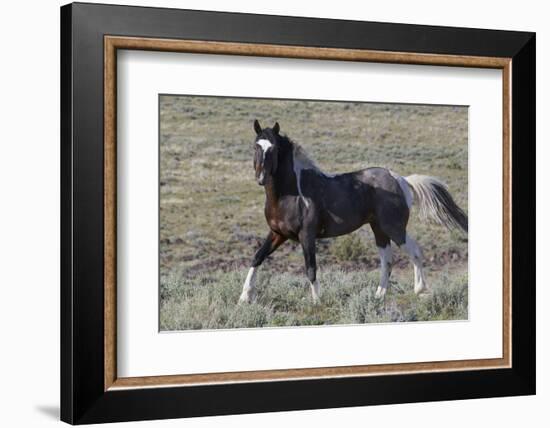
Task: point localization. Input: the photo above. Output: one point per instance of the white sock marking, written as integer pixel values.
(412, 248)
(249, 287)
(315, 291)
(386, 260)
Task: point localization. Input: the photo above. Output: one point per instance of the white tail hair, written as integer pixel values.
(436, 203)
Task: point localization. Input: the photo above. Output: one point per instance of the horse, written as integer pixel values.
(303, 204)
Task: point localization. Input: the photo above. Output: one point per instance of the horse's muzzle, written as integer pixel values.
(261, 179)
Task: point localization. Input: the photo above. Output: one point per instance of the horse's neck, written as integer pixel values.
(271, 195)
(282, 184)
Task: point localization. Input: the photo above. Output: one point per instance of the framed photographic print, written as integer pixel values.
(265, 213)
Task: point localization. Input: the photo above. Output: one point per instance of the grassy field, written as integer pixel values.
(212, 222)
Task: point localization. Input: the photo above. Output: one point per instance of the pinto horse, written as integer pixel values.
(303, 204)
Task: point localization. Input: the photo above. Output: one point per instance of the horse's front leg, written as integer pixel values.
(308, 246)
(271, 243)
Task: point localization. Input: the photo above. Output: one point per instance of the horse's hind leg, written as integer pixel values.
(415, 253)
(271, 243)
(384, 249)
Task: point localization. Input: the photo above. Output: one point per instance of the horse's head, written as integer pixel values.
(266, 150)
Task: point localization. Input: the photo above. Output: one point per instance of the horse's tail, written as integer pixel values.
(436, 203)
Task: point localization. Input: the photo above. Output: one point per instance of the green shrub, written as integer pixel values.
(349, 248)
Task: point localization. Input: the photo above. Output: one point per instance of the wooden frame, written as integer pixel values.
(112, 43)
(513, 53)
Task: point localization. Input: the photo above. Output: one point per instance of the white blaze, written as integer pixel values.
(264, 144)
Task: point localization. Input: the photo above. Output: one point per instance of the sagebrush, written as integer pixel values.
(209, 300)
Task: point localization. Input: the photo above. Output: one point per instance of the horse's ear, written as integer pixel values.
(276, 128)
(257, 127)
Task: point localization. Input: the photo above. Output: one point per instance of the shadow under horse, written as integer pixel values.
(303, 204)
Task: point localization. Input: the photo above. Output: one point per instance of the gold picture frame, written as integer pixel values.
(113, 43)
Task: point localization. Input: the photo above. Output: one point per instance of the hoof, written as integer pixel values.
(380, 293)
(244, 300)
(247, 297)
(420, 290)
